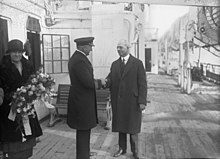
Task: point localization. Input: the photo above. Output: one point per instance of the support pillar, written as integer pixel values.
(188, 71)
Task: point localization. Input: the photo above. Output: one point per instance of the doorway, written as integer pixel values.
(4, 37)
(148, 59)
(35, 57)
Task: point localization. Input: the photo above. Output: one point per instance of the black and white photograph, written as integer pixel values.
(109, 79)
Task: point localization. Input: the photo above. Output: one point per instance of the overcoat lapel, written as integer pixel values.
(87, 61)
(128, 65)
(118, 66)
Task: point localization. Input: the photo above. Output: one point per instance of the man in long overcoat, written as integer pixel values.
(82, 108)
(128, 87)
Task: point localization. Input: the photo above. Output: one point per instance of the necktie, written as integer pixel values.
(122, 65)
(123, 61)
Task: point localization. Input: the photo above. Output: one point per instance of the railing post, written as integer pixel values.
(189, 79)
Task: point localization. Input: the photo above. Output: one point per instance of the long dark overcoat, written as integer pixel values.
(127, 92)
(82, 108)
(11, 79)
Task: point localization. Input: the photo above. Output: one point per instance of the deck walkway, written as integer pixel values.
(175, 125)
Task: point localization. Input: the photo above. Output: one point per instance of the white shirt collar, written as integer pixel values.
(126, 58)
(81, 52)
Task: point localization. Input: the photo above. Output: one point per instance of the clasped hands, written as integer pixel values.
(103, 82)
(142, 107)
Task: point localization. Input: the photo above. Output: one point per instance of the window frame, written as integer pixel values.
(52, 47)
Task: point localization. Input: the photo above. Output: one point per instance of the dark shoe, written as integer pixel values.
(119, 153)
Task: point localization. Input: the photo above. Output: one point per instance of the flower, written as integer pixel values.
(38, 86)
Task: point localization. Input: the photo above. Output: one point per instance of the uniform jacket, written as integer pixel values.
(127, 92)
(82, 108)
(11, 79)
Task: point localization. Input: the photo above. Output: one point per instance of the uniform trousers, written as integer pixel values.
(83, 144)
(133, 141)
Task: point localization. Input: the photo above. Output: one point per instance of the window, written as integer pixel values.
(56, 53)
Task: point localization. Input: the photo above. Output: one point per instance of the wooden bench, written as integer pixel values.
(102, 98)
(62, 98)
(103, 104)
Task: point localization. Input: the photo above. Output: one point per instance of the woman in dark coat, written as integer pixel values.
(15, 70)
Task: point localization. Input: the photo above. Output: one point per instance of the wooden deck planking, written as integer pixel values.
(53, 148)
(43, 148)
(175, 125)
(98, 144)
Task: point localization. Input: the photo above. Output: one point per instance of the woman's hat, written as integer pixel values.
(15, 45)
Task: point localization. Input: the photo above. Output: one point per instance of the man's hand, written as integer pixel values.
(142, 107)
(103, 82)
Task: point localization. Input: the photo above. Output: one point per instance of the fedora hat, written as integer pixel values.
(15, 45)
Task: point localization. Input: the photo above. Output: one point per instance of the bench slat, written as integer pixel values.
(102, 97)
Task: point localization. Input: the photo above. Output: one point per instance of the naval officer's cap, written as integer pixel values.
(84, 41)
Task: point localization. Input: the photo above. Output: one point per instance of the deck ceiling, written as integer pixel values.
(166, 2)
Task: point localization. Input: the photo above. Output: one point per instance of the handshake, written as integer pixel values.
(101, 83)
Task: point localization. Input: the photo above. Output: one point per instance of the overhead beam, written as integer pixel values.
(210, 3)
